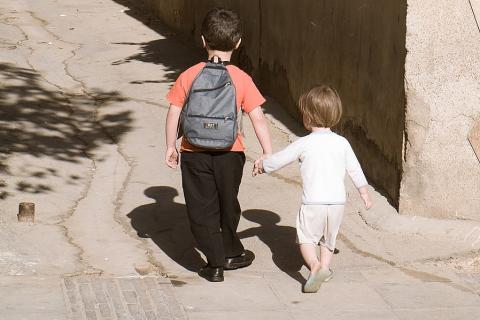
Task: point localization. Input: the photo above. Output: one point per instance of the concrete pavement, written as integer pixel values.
(82, 109)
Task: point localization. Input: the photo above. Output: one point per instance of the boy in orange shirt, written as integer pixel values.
(211, 178)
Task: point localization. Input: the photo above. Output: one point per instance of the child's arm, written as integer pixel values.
(358, 177)
(171, 127)
(261, 130)
(365, 197)
(280, 159)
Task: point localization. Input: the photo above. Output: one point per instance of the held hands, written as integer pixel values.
(258, 165)
(171, 157)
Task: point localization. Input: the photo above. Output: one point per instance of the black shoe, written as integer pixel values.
(241, 261)
(212, 274)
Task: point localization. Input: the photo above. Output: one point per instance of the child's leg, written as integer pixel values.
(334, 220)
(310, 226)
(325, 257)
(309, 254)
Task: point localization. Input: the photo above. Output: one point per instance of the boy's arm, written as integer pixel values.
(171, 127)
(261, 130)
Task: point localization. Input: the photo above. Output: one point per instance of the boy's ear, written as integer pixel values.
(238, 43)
(204, 42)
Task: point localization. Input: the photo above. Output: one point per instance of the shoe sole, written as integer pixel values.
(212, 279)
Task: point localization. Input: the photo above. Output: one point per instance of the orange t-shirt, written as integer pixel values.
(247, 95)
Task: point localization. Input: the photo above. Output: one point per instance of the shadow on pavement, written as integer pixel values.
(50, 123)
(160, 51)
(170, 51)
(280, 240)
(166, 223)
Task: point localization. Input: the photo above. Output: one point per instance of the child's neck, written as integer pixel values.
(224, 55)
(320, 129)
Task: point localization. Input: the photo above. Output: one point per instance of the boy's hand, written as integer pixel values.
(171, 158)
(366, 200)
(255, 171)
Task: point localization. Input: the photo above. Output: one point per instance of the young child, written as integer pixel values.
(324, 157)
(211, 178)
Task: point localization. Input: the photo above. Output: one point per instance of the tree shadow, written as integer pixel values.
(280, 240)
(166, 223)
(50, 123)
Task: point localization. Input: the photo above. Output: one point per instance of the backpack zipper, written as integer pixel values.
(216, 118)
(212, 89)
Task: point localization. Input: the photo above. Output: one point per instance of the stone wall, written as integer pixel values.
(441, 172)
(357, 46)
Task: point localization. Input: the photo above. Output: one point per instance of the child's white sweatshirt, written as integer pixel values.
(324, 157)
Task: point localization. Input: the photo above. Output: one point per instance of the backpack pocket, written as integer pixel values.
(211, 132)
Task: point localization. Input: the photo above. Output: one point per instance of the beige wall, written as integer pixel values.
(442, 81)
(357, 46)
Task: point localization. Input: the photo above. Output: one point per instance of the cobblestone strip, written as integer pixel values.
(101, 298)
(72, 299)
(164, 298)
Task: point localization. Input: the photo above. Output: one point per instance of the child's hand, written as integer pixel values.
(258, 167)
(366, 200)
(171, 158)
(365, 197)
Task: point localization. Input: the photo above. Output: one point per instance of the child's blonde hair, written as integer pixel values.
(320, 107)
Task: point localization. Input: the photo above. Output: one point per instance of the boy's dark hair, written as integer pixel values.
(221, 29)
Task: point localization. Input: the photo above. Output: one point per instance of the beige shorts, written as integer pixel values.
(319, 224)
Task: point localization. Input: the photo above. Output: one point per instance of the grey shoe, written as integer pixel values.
(330, 276)
(315, 280)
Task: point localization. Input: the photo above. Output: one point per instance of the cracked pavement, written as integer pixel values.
(82, 109)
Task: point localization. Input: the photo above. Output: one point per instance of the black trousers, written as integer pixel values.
(211, 181)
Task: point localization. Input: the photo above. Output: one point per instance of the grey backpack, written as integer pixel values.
(209, 115)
